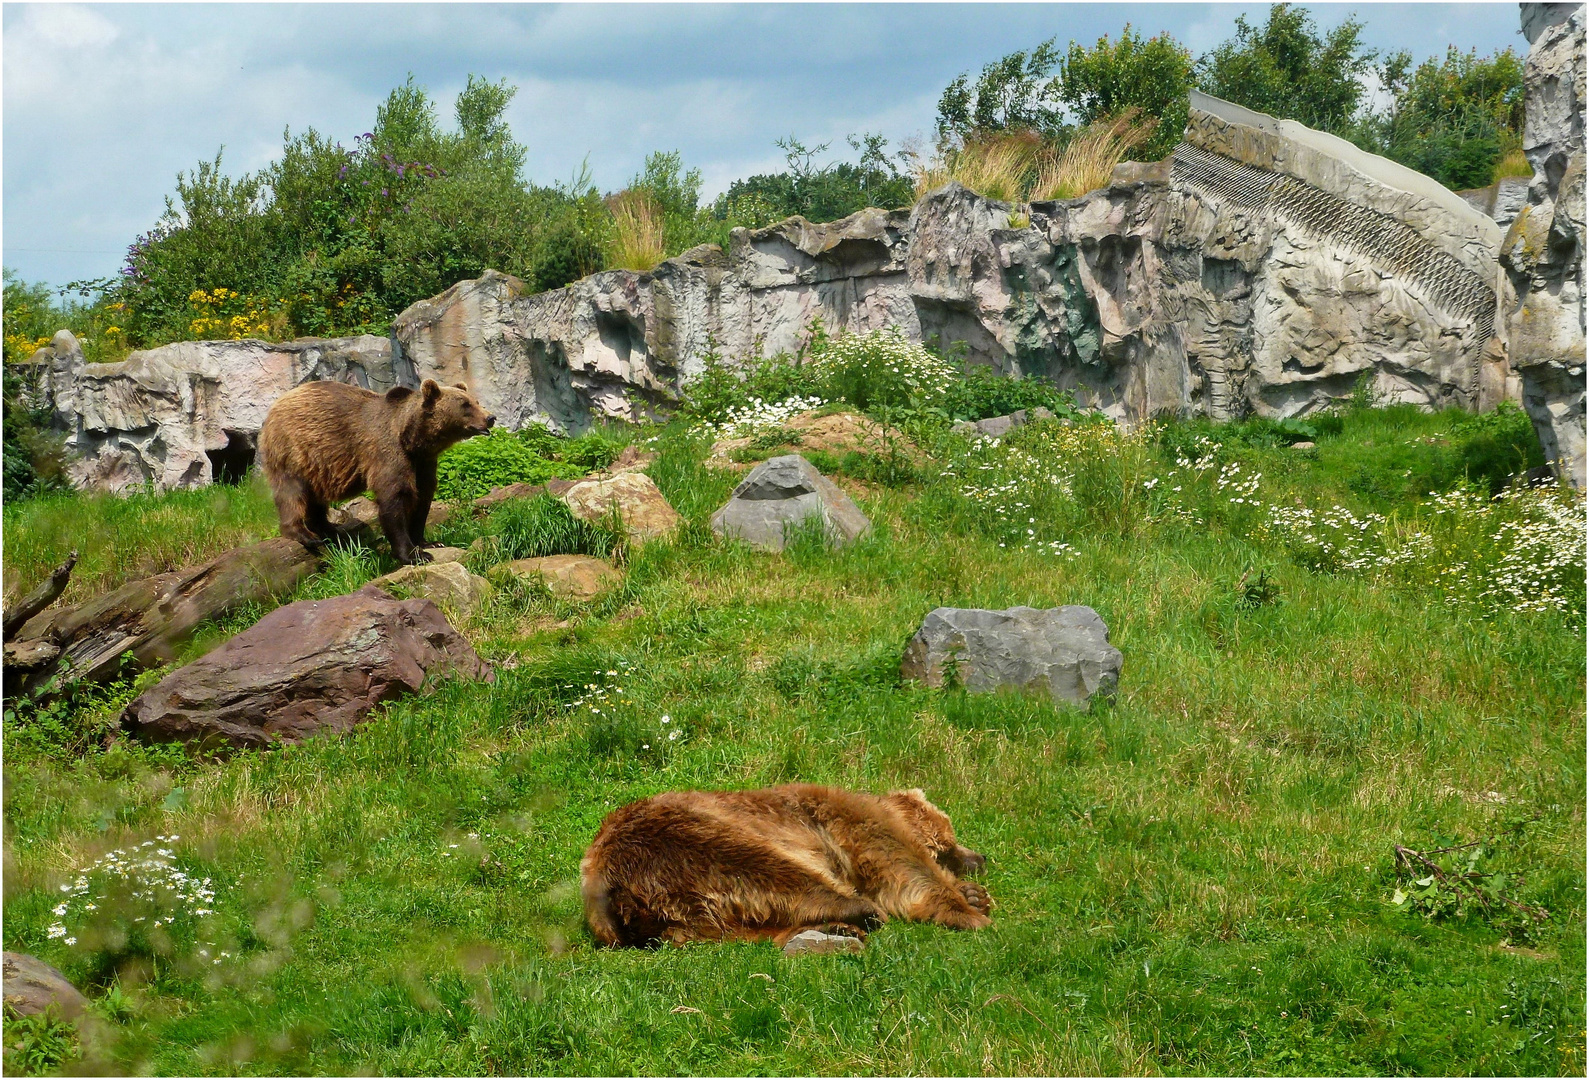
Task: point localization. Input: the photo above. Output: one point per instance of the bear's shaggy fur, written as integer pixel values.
(765, 865)
(326, 441)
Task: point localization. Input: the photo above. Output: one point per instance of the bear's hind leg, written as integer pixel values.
(293, 511)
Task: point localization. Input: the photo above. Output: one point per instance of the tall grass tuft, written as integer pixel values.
(637, 242)
(998, 166)
(1091, 156)
(532, 528)
(1514, 163)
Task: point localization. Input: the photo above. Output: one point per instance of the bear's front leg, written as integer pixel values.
(396, 510)
(425, 493)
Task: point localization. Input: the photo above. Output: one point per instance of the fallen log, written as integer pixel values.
(37, 600)
(152, 617)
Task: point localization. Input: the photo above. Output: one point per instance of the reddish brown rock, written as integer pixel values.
(32, 986)
(306, 668)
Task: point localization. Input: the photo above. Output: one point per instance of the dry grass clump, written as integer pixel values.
(1088, 159)
(1514, 163)
(1023, 166)
(637, 242)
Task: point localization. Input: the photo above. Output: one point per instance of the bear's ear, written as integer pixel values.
(461, 386)
(399, 393)
(431, 389)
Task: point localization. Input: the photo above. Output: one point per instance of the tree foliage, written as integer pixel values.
(818, 193)
(1286, 68)
(1011, 94)
(1151, 74)
(331, 239)
(1455, 118)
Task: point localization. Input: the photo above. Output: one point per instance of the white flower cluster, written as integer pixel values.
(1331, 541)
(604, 693)
(756, 416)
(882, 359)
(1541, 566)
(146, 874)
(1235, 487)
(1008, 483)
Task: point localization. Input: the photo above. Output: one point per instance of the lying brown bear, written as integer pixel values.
(765, 865)
(326, 441)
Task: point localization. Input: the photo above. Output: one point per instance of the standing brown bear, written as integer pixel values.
(765, 865)
(326, 441)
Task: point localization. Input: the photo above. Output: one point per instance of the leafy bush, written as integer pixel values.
(34, 461)
(983, 392)
(543, 525)
(331, 240)
(475, 466)
(828, 193)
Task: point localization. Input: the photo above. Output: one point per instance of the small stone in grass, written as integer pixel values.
(817, 943)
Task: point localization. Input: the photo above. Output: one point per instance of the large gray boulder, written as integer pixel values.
(781, 493)
(310, 667)
(1543, 251)
(188, 413)
(1062, 651)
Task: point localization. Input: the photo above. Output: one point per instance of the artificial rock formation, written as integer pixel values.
(783, 493)
(1544, 249)
(1263, 268)
(187, 413)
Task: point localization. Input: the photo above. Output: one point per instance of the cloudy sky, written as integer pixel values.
(104, 104)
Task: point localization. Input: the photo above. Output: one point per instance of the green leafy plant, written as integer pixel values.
(1257, 592)
(475, 466)
(983, 392)
(1462, 880)
(39, 1043)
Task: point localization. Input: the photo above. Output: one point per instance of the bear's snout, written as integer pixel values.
(491, 421)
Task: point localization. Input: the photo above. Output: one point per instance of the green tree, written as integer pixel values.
(1454, 119)
(1152, 74)
(824, 193)
(1287, 69)
(331, 239)
(1012, 94)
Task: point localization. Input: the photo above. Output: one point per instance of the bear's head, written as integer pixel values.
(438, 416)
(931, 826)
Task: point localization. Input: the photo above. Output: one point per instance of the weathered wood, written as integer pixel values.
(37, 600)
(151, 618)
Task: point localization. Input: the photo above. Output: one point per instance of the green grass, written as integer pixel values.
(1194, 879)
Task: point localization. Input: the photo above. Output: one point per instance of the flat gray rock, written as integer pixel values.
(1064, 651)
(782, 492)
(996, 427)
(816, 943)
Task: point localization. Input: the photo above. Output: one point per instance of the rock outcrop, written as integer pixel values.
(782, 493)
(188, 413)
(445, 582)
(309, 667)
(1063, 651)
(1544, 248)
(32, 987)
(1263, 267)
(632, 497)
(567, 577)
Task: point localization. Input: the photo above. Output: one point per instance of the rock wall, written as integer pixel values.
(1543, 252)
(187, 413)
(1263, 268)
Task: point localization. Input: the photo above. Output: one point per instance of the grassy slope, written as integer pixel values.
(1195, 879)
